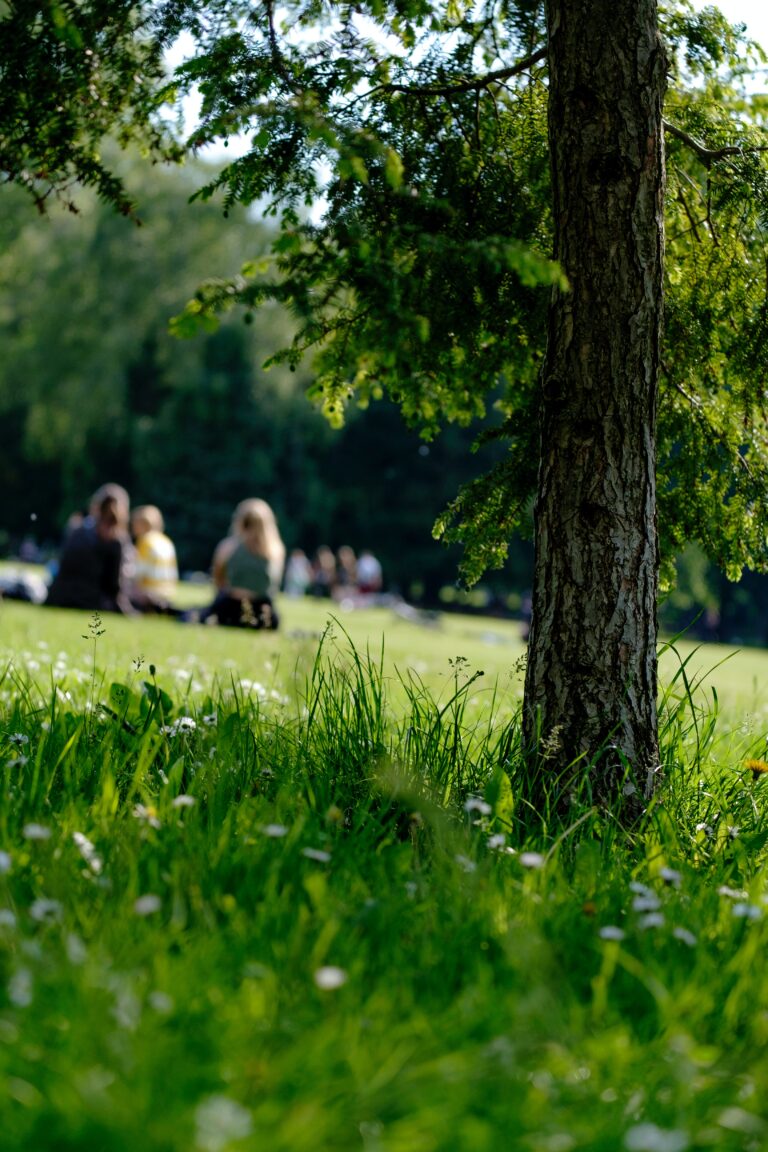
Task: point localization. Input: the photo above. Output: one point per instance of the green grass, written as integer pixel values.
(257, 896)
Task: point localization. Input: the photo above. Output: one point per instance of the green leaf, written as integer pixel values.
(393, 169)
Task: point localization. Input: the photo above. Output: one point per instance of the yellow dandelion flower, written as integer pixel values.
(756, 767)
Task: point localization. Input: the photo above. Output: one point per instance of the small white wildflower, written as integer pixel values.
(181, 725)
(477, 804)
(411, 889)
(18, 739)
(497, 840)
(611, 932)
(640, 889)
(316, 854)
(684, 935)
(146, 905)
(44, 910)
(161, 1002)
(733, 831)
(20, 988)
(147, 814)
(88, 852)
(646, 903)
(77, 953)
(671, 876)
(211, 720)
(5, 863)
(274, 830)
(736, 1119)
(465, 863)
(731, 893)
(747, 911)
(36, 832)
(707, 829)
(253, 687)
(531, 859)
(330, 977)
(183, 801)
(7, 918)
(127, 1008)
(219, 1122)
(17, 762)
(652, 920)
(650, 1138)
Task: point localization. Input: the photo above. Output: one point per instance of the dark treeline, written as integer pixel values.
(93, 387)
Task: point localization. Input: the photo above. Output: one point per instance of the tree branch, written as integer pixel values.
(277, 56)
(476, 84)
(689, 214)
(710, 155)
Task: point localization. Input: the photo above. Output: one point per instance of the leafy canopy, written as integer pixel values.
(73, 72)
(403, 148)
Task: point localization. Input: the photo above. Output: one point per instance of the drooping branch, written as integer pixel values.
(708, 156)
(277, 56)
(477, 83)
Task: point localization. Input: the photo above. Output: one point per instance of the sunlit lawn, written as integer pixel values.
(424, 644)
(257, 895)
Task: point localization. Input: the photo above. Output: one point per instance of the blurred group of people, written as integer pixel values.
(340, 575)
(114, 559)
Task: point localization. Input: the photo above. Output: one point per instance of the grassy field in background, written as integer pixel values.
(281, 891)
(425, 644)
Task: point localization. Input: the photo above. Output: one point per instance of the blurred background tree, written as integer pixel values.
(93, 387)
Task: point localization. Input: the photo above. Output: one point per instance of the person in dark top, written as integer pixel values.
(92, 562)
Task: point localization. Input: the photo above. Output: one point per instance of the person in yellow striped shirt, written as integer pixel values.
(157, 573)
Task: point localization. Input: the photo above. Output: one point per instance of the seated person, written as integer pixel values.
(298, 573)
(91, 571)
(247, 569)
(156, 572)
(369, 574)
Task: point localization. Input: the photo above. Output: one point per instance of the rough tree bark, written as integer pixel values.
(590, 694)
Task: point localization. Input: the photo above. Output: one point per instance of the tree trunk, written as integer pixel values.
(590, 693)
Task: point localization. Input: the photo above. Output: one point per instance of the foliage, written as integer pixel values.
(72, 74)
(713, 432)
(93, 386)
(291, 912)
(418, 134)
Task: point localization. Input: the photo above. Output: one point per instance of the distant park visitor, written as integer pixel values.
(156, 574)
(370, 578)
(323, 572)
(247, 569)
(96, 557)
(298, 573)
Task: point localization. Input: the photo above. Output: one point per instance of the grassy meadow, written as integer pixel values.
(279, 891)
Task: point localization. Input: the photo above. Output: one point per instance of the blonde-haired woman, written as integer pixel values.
(247, 569)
